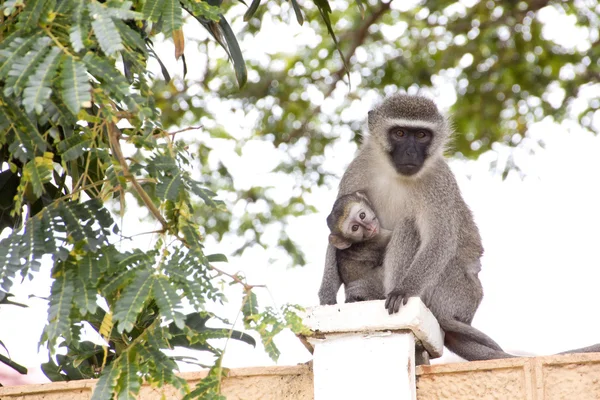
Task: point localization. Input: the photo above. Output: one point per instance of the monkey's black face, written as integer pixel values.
(409, 148)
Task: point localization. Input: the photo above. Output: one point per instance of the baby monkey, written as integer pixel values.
(360, 242)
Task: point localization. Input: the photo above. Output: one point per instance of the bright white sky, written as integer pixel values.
(541, 235)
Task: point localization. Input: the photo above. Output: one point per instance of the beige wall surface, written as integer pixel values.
(575, 376)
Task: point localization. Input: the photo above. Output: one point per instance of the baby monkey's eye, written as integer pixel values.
(354, 228)
(362, 215)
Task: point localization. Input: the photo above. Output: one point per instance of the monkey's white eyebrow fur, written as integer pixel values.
(411, 123)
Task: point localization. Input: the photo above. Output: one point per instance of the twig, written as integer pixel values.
(189, 128)
(235, 278)
(113, 136)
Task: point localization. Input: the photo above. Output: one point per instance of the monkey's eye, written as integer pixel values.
(399, 132)
(362, 215)
(421, 135)
(354, 228)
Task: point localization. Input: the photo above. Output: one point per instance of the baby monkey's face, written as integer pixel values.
(361, 222)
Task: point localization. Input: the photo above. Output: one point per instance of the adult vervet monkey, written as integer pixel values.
(435, 248)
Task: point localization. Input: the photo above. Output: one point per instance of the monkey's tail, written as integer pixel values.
(470, 343)
(471, 350)
(595, 348)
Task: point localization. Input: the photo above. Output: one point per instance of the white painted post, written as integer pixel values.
(361, 352)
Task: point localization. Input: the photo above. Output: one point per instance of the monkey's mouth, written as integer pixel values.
(372, 233)
(408, 169)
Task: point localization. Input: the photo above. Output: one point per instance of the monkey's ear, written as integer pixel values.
(361, 193)
(338, 242)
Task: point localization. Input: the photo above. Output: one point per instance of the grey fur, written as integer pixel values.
(435, 248)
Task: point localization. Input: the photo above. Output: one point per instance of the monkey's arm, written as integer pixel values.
(413, 273)
(331, 281)
(404, 244)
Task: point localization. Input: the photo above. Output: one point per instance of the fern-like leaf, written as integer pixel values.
(130, 381)
(113, 81)
(74, 147)
(132, 300)
(202, 9)
(30, 16)
(75, 85)
(169, 187)
(22, 68)
(131, 38)
(104, 389)
(123, 11)
(77, 28)
(37, 172)
(60, 307)
(85, 296)
(104, 29)
(153, 9)
(167, 300)
(171, 16)
(38, 91)
(250, 305)
(12, 49)
(27, 138)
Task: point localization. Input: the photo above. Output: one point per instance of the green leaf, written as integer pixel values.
(123, 10)
(325, 10)
(169, 188)
(22, 68)
(167, 300)
(113, 81)
(85, 296)
(250, 307)
(13, 48)
(74, 147)
(252, 9)
(104, 389)
(153, 9)
(37, 172)
(202, 9)
(297, 11)
(132, 300)
(76, 88)
(30, 16)
(104, 29)
(171, 16)
(131, 37)
(27, 138)
(77, 28)
(216, 258)
(239, 65)
(59, 320)
(130, 381)
(37, 92)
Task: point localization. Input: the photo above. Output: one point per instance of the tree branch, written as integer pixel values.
(358, 38)
(113, 136)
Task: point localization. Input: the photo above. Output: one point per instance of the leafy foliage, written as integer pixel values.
(83, 124)
(499, 66)
(80, 130)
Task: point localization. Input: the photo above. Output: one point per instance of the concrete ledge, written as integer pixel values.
(573, 376)
(264, 383)
(371, 316)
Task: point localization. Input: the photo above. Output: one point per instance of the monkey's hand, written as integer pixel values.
(327, 297)
(398, 297)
